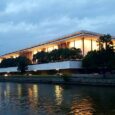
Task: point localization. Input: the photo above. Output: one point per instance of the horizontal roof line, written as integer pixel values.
(80, 33)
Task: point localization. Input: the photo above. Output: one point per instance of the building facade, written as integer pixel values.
(85, 40)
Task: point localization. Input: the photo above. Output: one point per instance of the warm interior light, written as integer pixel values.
(50, 49)
(78, 44)
(35, 52)
(55, 47)
(94, 45)
(71, 44)
(87, 46)
(0, 60)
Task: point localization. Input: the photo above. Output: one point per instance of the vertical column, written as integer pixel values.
(83, 46)
(59, 45)
(91, 45)
(67, 44)
(46, 49)
(74, 43)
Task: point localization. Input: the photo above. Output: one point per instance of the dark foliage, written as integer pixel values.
(58, 55)
(23, 63)
(104, 57)
(100, 59)
(10, 62)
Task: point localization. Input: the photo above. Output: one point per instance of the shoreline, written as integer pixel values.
(95, 80)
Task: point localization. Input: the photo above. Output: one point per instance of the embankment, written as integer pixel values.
(79, 79)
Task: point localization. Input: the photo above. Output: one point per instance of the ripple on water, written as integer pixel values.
(82, 107)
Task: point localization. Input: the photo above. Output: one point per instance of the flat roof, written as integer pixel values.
(80, 33)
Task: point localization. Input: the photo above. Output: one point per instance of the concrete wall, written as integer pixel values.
(48, 66)
(9, 69)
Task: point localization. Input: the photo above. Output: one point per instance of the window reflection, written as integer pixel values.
(58, 94)
(33, 96)
(7, 92)
(35, 90)
(19, 90)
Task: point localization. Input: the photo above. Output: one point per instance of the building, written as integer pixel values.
(85, 40)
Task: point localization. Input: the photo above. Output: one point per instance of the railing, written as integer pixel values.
(48, 66)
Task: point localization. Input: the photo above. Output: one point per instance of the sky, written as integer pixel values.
(24, 23)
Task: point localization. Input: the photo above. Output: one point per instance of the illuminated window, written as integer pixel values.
(78, 44)
(55, 47)
(94, 45)
(71, 44)
(35, 52)
(0, 60)
(87, 46)
(15, 56)
(50, 49)
(39, 50)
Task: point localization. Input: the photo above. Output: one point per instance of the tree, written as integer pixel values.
(91, 60)
(41, 57)
(58, 55)
(75, 53)
(53, 55)
(63, 54)
(102, 59)
(10, 62)
(23, 63)
(105, 42)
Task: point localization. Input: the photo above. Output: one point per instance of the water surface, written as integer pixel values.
(40, 99)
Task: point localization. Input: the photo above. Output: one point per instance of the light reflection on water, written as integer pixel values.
(58, 94)
(35, 99)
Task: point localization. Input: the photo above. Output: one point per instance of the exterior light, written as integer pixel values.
(57, 69)
(60, 74)
(5, 75)
(30, 74)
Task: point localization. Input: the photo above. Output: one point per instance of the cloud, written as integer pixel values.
(28, 22)
(16, 7)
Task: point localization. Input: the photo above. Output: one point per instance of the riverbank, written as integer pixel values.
(79, 79)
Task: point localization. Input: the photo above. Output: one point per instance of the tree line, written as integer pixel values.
(60, 54)
(104, 57)
(12, 62)
(21, 62)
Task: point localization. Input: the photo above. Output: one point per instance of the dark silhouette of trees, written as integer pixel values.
(105, 42)
(100, 59)
(41, 57)
(10, 62)
(75, 53)
(23, 63)
(58, 55)
(104, 58)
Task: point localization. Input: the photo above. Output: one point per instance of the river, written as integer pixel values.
(42, 99)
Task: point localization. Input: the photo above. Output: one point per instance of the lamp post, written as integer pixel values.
(57, 71)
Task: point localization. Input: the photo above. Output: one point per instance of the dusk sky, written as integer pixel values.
(24, 23)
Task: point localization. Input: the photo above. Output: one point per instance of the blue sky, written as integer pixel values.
(24, 23)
